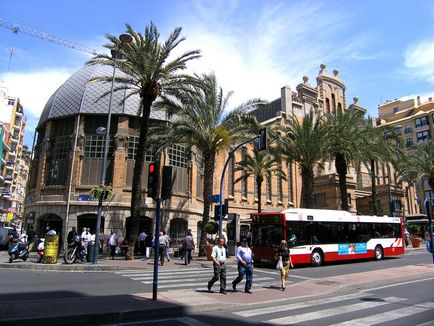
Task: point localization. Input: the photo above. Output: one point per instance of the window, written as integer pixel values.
(133, 143)
(11, 102)
(409, 142)
(178, 156)
(279, 189)
(420, 122)
(395, 109)
(290, 182)
(268, 190)
(423, 136)
(231, 176)
(199, 176)
(94, 146)
(319, 199)
(408, 130)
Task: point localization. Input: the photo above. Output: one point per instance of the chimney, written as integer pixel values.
(430, 99)
(418, 100)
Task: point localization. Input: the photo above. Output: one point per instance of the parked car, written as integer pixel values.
(4, 234)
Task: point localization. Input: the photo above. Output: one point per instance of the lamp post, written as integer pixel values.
(124, 38)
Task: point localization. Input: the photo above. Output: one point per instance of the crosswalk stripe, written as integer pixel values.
(178, 277)
(305, 304)
(177, 280)
(183, 284)
(332, 311)
(389, 315)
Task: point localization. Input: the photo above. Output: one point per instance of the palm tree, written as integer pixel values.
(375, 147)
(344, 135)
(148, 70)
(420, 164)
(302, 142)
(200, 120)
(261, 165)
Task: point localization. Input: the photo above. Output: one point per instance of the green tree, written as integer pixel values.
(200, 120)
(420, 164)
(148, 69)
(344, 135)
(302, 142)
(261, 165)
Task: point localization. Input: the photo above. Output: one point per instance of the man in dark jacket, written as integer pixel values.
(188, 246)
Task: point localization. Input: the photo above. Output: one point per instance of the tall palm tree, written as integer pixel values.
(344, 134)
(420, 163)
(302, 142)
(200, 120)
(148, 69)
(261, 165)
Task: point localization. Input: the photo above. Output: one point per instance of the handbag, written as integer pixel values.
(279, 264)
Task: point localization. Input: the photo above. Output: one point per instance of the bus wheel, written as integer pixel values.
(379, 254)
(316, 258)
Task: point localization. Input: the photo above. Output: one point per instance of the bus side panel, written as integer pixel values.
(264, 255)
(396, 248)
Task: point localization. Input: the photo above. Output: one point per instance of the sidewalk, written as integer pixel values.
(85, 310)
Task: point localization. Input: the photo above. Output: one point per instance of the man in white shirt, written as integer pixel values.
(219, 263)
(113, 242)
(141, 239)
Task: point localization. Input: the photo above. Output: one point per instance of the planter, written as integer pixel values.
(208, 250)
(415, 242)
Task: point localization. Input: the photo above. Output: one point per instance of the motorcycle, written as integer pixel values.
(18, 250)
(76, 251)
(40, 250)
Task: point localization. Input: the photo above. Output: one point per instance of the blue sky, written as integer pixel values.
(382, 49)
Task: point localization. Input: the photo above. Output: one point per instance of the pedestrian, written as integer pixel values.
(225, 236)
(113, 242)
(249, 238)
(245, 266)
(219, 263)
(31, 237)
(163, 244)
(283, 253)
(168, 245)
(187, 247)
(149, 243)
(71, 235)
(142, 239)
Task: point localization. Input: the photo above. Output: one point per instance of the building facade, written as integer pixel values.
(68, 156)
(14, 162)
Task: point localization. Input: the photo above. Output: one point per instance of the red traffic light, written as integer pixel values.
(151, 168)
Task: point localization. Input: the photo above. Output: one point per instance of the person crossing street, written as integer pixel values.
(245, 266)
(219, 263)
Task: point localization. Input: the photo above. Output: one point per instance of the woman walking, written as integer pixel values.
(283, 253)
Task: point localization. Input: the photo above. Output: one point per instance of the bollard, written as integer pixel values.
(51, 248)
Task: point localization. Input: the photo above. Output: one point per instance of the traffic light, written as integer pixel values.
(262, 139)
(153, 179)
(166, 186)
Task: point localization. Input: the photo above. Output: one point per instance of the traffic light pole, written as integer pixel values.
(231, 155)
(428, 209)
(157, 247)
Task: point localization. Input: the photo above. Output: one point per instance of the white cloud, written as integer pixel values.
(419, 59)
(34, 88)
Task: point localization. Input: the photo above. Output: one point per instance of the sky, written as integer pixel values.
(383, 50)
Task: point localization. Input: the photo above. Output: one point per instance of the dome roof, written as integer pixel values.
(78, 96)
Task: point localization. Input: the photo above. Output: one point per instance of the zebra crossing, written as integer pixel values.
(336, 311)
(194, 278)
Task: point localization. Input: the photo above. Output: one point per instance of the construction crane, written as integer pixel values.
(15, 28)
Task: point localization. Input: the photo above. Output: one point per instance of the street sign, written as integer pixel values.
(215, 198)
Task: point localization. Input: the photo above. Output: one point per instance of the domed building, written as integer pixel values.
(68, 156)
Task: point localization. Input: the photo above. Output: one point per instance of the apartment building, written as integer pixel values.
(414, 121)
(12, 182)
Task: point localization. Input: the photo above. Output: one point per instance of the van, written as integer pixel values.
(4, 234)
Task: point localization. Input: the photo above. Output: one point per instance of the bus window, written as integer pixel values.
(267, 235)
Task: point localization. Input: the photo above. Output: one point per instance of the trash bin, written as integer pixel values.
(51, 249)
(90, 251)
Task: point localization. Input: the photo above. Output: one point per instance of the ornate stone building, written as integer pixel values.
(68, 158)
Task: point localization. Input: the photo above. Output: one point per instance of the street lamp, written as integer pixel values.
(124, 38)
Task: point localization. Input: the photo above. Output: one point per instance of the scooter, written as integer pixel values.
(18, 250)
(40, 250)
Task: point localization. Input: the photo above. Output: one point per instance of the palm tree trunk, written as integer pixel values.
(341, 168)
(373, 189)
(209, 159)
(136, 188)
(306, 188)
(259, 183)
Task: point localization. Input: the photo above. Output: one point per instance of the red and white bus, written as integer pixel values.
(315, 236)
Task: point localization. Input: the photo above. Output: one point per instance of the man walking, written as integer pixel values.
(245, 266)
(188, 246)
(219, 263)
(142, 239)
